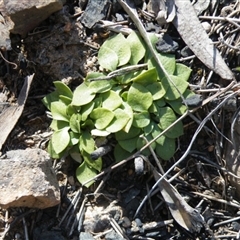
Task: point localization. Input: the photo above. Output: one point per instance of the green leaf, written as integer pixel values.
(84, 173)
(182, 71)
(107, 58)
(160, 103)
(59, 111)
(74, 138)
(82, 95)
(120, 154)
(100, 86)
(120, 46)
(75, 154)
(168, 61)
(148, 129)
(97, 102)
(129, 111)
(177, 106)
(57, 125)
(124, 95)
(52, 152)
(49, 99)
(99, 133)
(60, 140)
(102, 117)
(157, 90)
(111, 100)
(75, 122)
(173, 92)
(65, 100)
(86, 110)
(96, 164)
(137, 47)
(86, 142)
(63, 89)
(153, 108)
(119, 121)
(146, 77)
(72, 110)
(122, 135)
(91, 75)
(166, 150)
(167, 117)
(154, 39)
(175, 131)
(125, 79)
(88, 124)
(155, 132)
(141, 120)
(139, 98)
(129, 144)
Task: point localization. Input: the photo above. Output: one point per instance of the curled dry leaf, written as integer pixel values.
(164, 10)
(186, 216)
(197, 39)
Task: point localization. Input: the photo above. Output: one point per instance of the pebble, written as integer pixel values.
(85, 236)
(206, 26)
(165, 44)
(126, 223)
(113, 236)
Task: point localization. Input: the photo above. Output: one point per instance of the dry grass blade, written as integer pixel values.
(10, 116)
(197, 39)
(186, 216)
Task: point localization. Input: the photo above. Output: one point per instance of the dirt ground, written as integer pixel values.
(62, 48)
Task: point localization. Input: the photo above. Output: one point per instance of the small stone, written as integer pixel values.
(139, 165)
(194, 100)
(206, 26)
(126, 223)
(119, 17)
(28, 180)
(85, 236)
(235, 226)
(165, 44)
(138, 222)
(113, 236)
(186, 52)
(26, 15)
(95, 11)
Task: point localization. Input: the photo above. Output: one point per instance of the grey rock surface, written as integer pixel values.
(28, 180)
(26, 15)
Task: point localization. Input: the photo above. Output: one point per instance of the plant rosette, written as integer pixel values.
(142, 102)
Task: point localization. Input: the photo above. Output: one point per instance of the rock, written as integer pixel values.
(95, 11)
(194, 100)
(26, 15)
(85, 236)
(165, 44)
(28, 180)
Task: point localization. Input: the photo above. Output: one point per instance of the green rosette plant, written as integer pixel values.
(141, 102)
